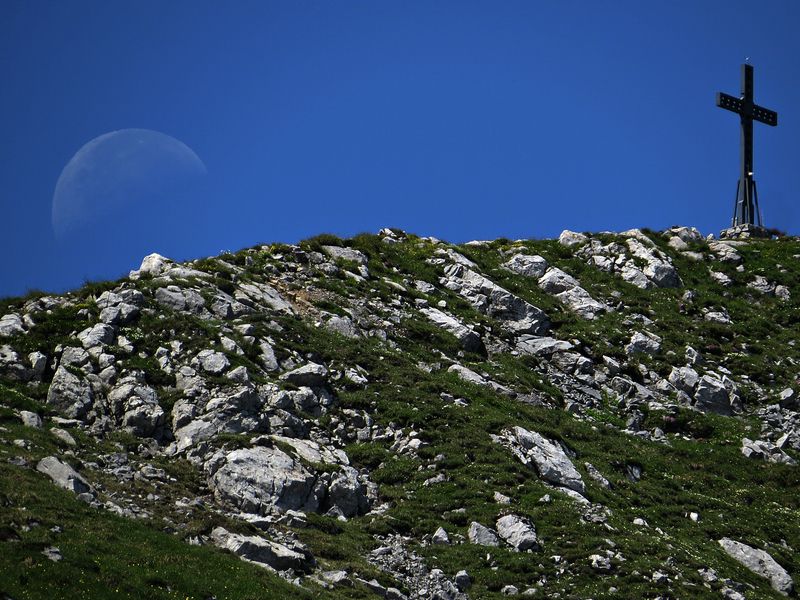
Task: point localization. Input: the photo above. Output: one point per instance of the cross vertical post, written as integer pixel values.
(746, 210)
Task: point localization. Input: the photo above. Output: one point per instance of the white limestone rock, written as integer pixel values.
(514, 313)
(263, 552)
(527, 265)
(309, 375)
(97, 335)
(481, 535)
(643, 343)
(11, 364)
(212, 362)
(766, 450)
(344, 253)
(568, 291)
(541, 345)
(180, 300)
(135, 405)
(684, 378)
(548, 458)
(760, 563)
(572, 238)
(711, 395)
(517, 532)
(471, 376)
(262, 294)
(470, 341)
(63, 475)
(725, 251)
(11, 325)
(30, 419)
(440, 537)
(263, 479)
(70, 395)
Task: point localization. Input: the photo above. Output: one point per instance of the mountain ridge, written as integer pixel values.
(602, 415)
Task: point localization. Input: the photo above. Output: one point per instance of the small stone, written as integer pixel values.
(463, 580)
(509, 590)
(600, 563)
(482, 535)
(501, 498)
(440, 537)
(517, 532)
(659, 578)
(64, 436)
(30, 419)
(52, 553)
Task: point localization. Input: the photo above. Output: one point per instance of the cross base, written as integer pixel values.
(744, 231)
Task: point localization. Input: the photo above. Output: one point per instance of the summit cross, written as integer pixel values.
(746, 210)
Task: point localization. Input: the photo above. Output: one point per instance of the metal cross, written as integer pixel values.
(746, 211)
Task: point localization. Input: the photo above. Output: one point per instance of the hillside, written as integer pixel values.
(598, 416)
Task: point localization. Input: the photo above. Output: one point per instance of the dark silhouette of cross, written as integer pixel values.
(746, 210)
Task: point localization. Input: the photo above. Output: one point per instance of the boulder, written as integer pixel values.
(343, 253)
(11, 325)
(267, 357)
(63, 475)
(347, 493)
(684, 378)
(766, 450)
(549, 459)
(212, 362)
(152, 264)
(482, 535)
(119, 314)
(517, 532)
(527, 265)
(541, 346)
(70, 395)
(514, 313)
(11, 364)
(98, 335)
(263, 552)
(643, 343)
(260, 479)
(38, 363)
(179, 299)
(471, 376)
(309, 375)
(725, 252)
(761, 563)
(262, 294)
(571, 238)
(711, 395)
(568, 291)
(470, 341)
(135, 405)
(343, 326)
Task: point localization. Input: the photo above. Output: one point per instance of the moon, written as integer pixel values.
(118, 178)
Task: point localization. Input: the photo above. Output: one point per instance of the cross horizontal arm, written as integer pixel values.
(730, 103)
(764, 115)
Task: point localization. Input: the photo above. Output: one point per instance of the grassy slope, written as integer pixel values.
(747, 500)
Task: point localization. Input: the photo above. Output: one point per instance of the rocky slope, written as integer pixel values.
(604, 415)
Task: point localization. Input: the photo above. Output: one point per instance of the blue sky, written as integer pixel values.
(463, 120)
